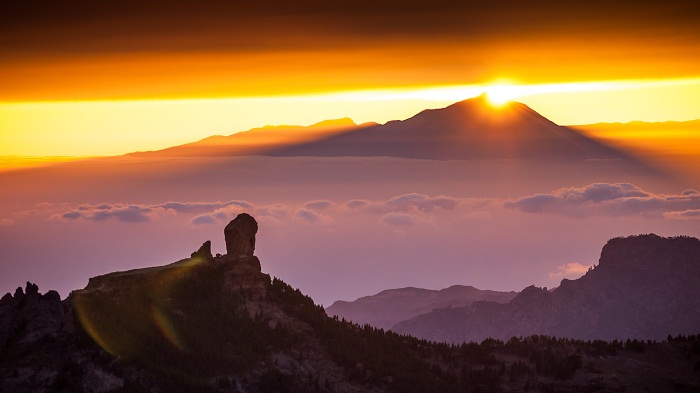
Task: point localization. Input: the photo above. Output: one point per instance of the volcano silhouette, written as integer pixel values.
(470, 129)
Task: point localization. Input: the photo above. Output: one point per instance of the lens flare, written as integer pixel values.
(143, 313)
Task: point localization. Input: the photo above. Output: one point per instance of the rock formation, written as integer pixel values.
(239, 268)
(204, 252)
(645, 287)
(30, 315)
(243, 271)
(200, 324)
(240, 235)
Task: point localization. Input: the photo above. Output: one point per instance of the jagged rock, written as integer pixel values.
(31, 289)
(240, 235)
(29, 316)
(204, 251)
(6, 299)
(52, 296)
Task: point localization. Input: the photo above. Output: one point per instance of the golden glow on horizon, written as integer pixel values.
(16, 162)
(501, 93)
(79, 128)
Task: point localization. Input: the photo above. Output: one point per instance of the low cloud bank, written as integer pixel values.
(607, 199)
(611, 199)
(410, 206)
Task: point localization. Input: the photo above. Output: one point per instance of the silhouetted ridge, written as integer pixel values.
(645, 287)
(391, 306)
(218, 324)
(470, 129)
(652, 252)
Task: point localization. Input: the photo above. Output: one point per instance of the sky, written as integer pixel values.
(82, 79)
(85, 78)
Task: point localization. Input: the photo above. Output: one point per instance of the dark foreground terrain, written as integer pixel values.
(218, 324)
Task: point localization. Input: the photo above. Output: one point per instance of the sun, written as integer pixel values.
(500, 94)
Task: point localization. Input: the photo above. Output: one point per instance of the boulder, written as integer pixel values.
(240, 235)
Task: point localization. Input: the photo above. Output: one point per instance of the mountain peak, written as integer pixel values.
(472, 129)
(333, 123)
(467, 130)
(652, 252)
(644, 287)
(484, 106)
(485, 101)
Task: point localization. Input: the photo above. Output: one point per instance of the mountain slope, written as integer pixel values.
(389, 307)
(470, 129)
(645, 287)
(254, 141)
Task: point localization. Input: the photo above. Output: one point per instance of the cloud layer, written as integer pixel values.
(136, 213)
(313, 211)
(569, 270)
(599, 199)
(612, 199)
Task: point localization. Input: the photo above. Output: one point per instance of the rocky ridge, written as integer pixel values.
(151, 317)
(644, 287)
(389, 307)
(219, 324)
(30, 315)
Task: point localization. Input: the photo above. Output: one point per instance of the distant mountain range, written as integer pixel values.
(470, 129)
(392, 306)
(645, 287)
(219, 324)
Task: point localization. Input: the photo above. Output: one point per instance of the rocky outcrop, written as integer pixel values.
(29, 316)
(240, 235)
(211, 320)
(243, 268)
(239, 268)
(645, 287)
(204, 252)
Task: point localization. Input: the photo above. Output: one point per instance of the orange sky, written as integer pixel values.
(133, 50)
